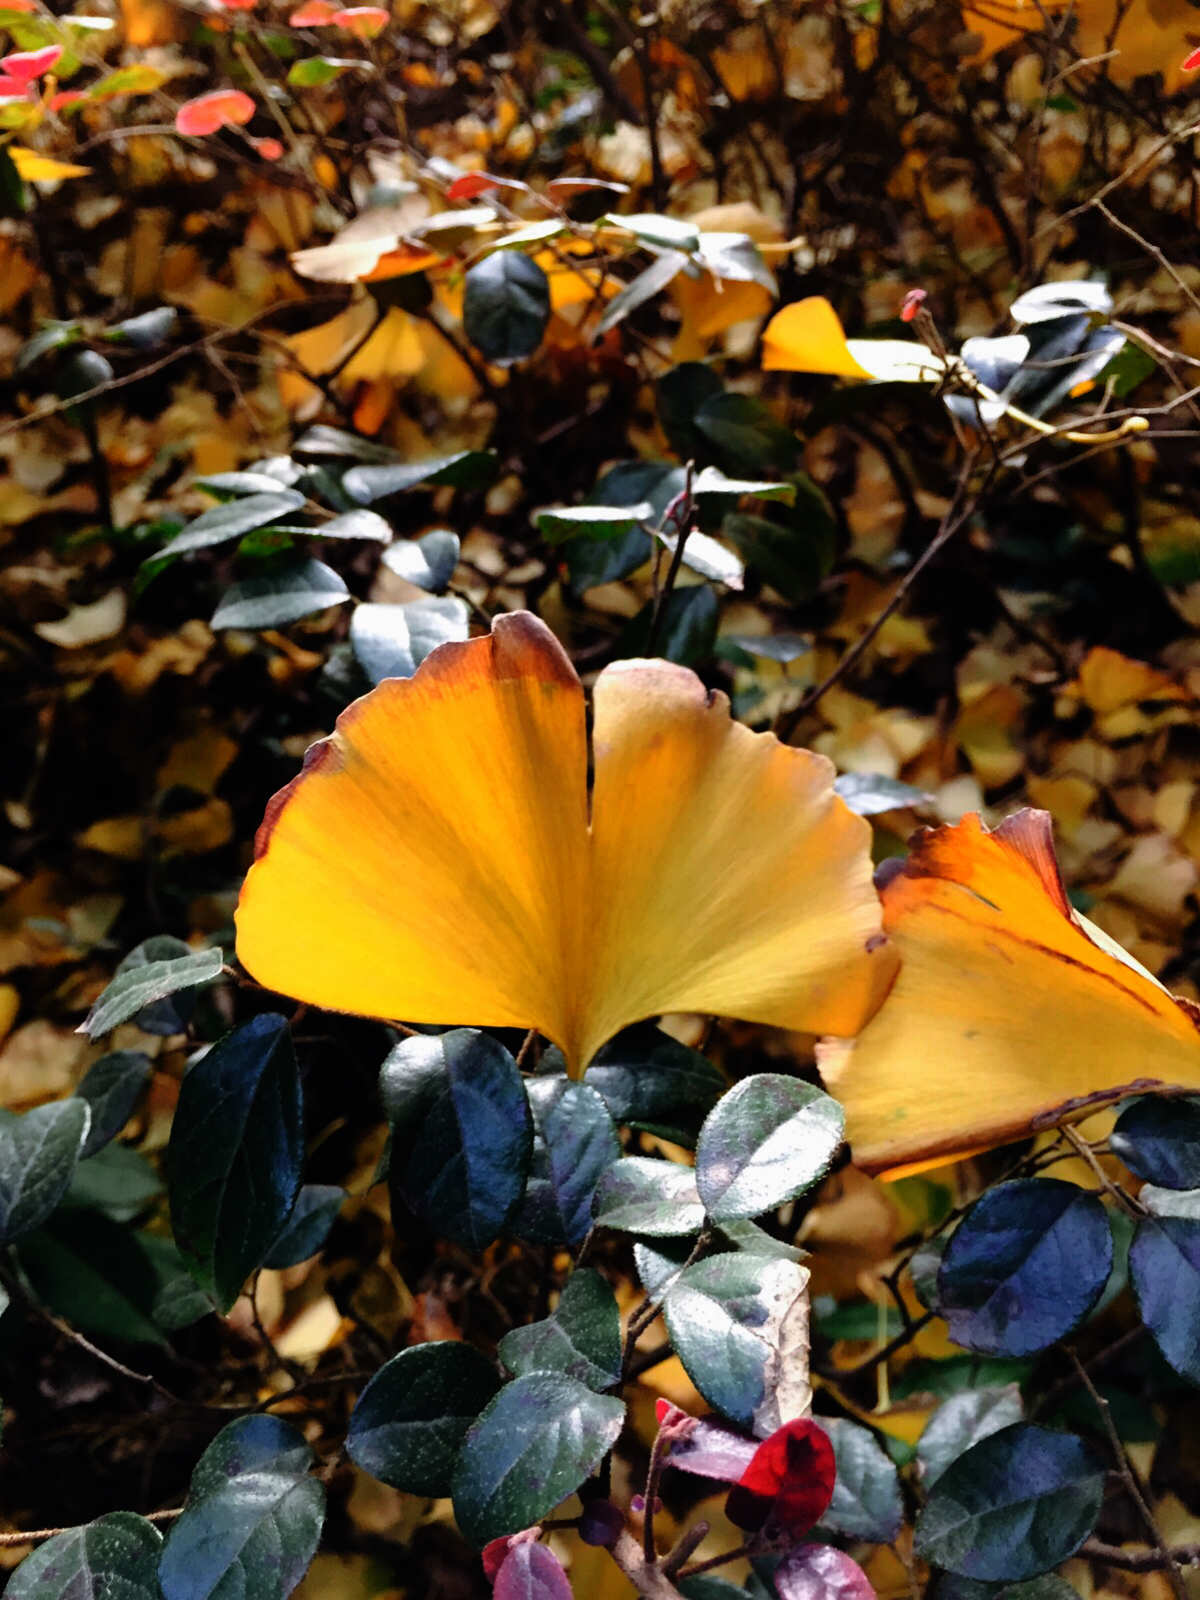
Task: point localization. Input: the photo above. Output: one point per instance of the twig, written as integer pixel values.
(38, 1535)
(1130, 1479)
(1180, 1555)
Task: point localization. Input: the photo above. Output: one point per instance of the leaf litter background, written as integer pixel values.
(1048, 656)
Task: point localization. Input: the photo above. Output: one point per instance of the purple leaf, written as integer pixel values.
(712, 1451)
(819, 1572)
(531, 1572)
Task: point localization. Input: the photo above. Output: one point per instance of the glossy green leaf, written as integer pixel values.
(306, 1230)
(1164, 1267)
(391, 641)
(96, 1274)
(596, 522)
(139, 985)
(223, 523)
(540, 1438)
(739, 1324)
(640, 1194)
(582, 1337)
(1014, 1505)
(744, 433)
(38, 1155)
(962, 1421)
(358, 524)
(869, 793)
(252, 1518)
(410, 1420)
(145, 331)
(687, 629)
(462, 1133)
(652, 1082)
(650, 281)
(769, 1139)
(506, 306)
(427, 562)
(866, 1500)
(665, 233)
(575, 1144)
(465, 469)
(113, 1558)
(1159, 1140)
(233, 1163)
(274, 599)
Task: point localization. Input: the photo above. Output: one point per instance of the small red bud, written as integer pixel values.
(913, 301)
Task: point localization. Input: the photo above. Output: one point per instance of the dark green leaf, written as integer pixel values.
(506, 306)
(462, 1133)
(560, 523)
(409, 1423)
(538, 1440)
(38, 1155)
(391, 641)
(277, 598)
(687, 628)
(650, 1081)
(640, 1194)
(112, 1087)
(781, 647)
(866, 1500)
(178, 1299)
(581, 1338)
(1159, 1140)
(1164, 1264)
(113, 1558)
(317, 70)
(739, 1324)
(96, 1274)
(681, 393)
(322, 440)
(575, 1144)
(427, 562)
(117, 1180)
(869, 793)
(962, 1421)
(1014, 1505)
(50, 336)
(744, 434)
(1025, 1266)
(466, 469)
(140, 984)
(306, 1230)
(712, 481)
(252, 1519)
(233, 1163)
(769, 1139)
(223, 523)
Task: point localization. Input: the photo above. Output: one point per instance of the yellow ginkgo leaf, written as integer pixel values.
(434, 861)
(808, 337)
(34, 167)
(1010, 1012)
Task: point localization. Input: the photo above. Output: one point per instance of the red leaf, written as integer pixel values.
(819, 1572)
(789, 1482)
(365, 22)
(268, 149)
(208, 112)
(313, 15)
(473, 183)
(64, 97)
(1192, 62)
(26, 65)
(531, 1572)
(13, 89)
(493, 1556)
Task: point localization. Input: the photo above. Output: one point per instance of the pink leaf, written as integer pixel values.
(313, 15)
(13, 88)
(531, 1572)
(819, 1572)
(364, 22)
(712, 1451)
(208, 112)
(268, 149)
(26, 65)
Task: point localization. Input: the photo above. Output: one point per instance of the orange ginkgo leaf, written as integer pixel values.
(807, 336)
(434, 860)
(1010, 1012)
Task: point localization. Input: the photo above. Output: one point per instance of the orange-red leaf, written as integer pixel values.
(209, 112)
